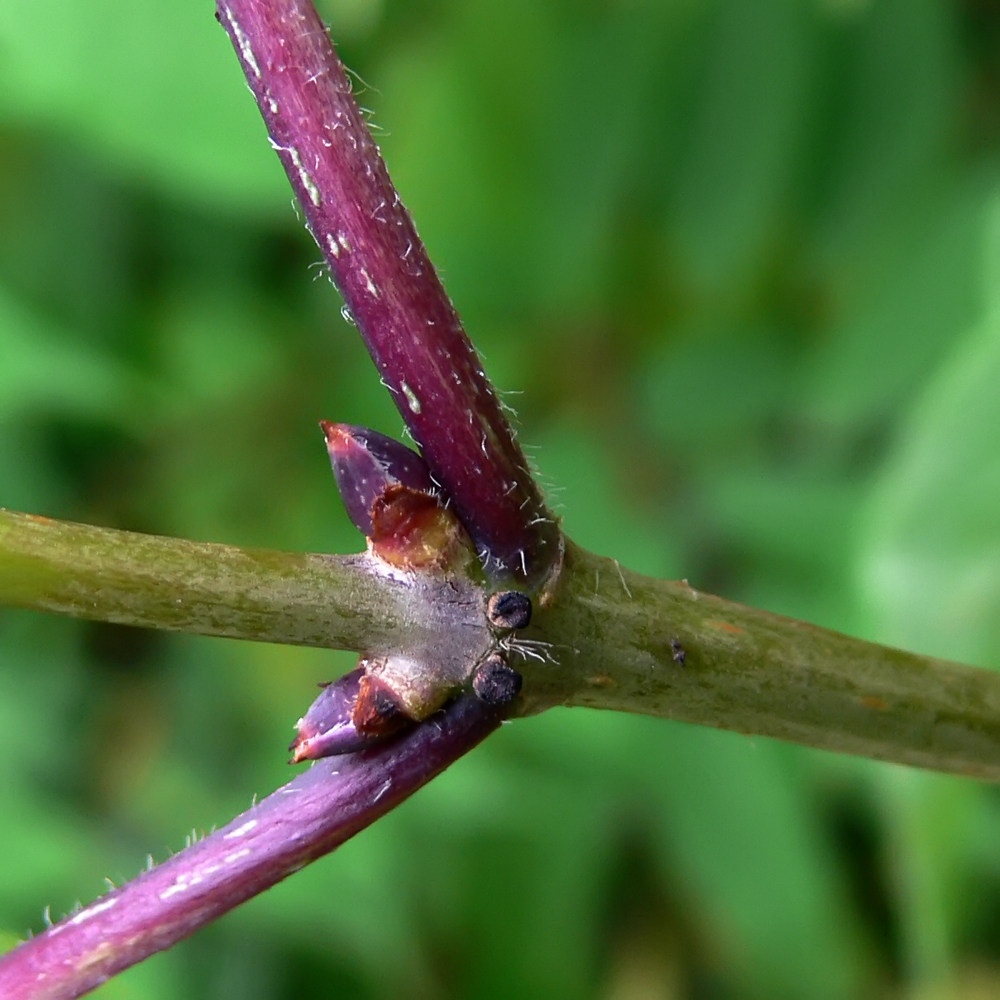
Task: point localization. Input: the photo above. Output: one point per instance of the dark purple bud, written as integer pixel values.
(509, 609)
(496, 683)
(390, 496)
(367, 464)
(347, 716)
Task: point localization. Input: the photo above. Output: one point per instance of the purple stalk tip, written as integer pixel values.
(390, 496)
(328, 728)
(350, 714)
(366, 465)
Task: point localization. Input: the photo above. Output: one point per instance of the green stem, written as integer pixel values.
(626, 642)
(607, 638)
(339, 602)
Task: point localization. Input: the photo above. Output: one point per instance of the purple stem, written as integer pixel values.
(390, 286)
(298, 823)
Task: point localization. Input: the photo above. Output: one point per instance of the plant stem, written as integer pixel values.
(340, 602)
(390, 286)
(623, 641)
(297, 824)
(615, 639)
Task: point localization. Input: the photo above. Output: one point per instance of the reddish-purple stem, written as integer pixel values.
(300, 822)
(437, 381)
(389, 284)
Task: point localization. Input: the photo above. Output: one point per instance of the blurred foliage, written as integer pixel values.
(741, 262)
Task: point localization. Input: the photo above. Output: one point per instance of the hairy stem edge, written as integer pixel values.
(389, 284)
(300, 822)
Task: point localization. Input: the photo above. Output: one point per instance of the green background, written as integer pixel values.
(740, 263)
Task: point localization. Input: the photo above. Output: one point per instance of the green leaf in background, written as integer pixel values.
(930, 829)
(583, 485)
(897, 101)
(897, 318)
(43, 371)
(930, 572)
(749, 848)
(7, 941)
(931, 566)
(739, 160)
(151, 87)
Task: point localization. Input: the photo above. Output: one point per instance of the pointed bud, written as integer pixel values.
(366, 464)
(344, 718)
(389, 495)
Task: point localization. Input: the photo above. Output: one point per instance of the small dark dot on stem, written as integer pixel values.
(677, 653)
(509, 609)
(495, 682)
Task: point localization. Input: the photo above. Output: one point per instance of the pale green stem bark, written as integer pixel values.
(603, 637)
(338, 602)
(626, 642)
